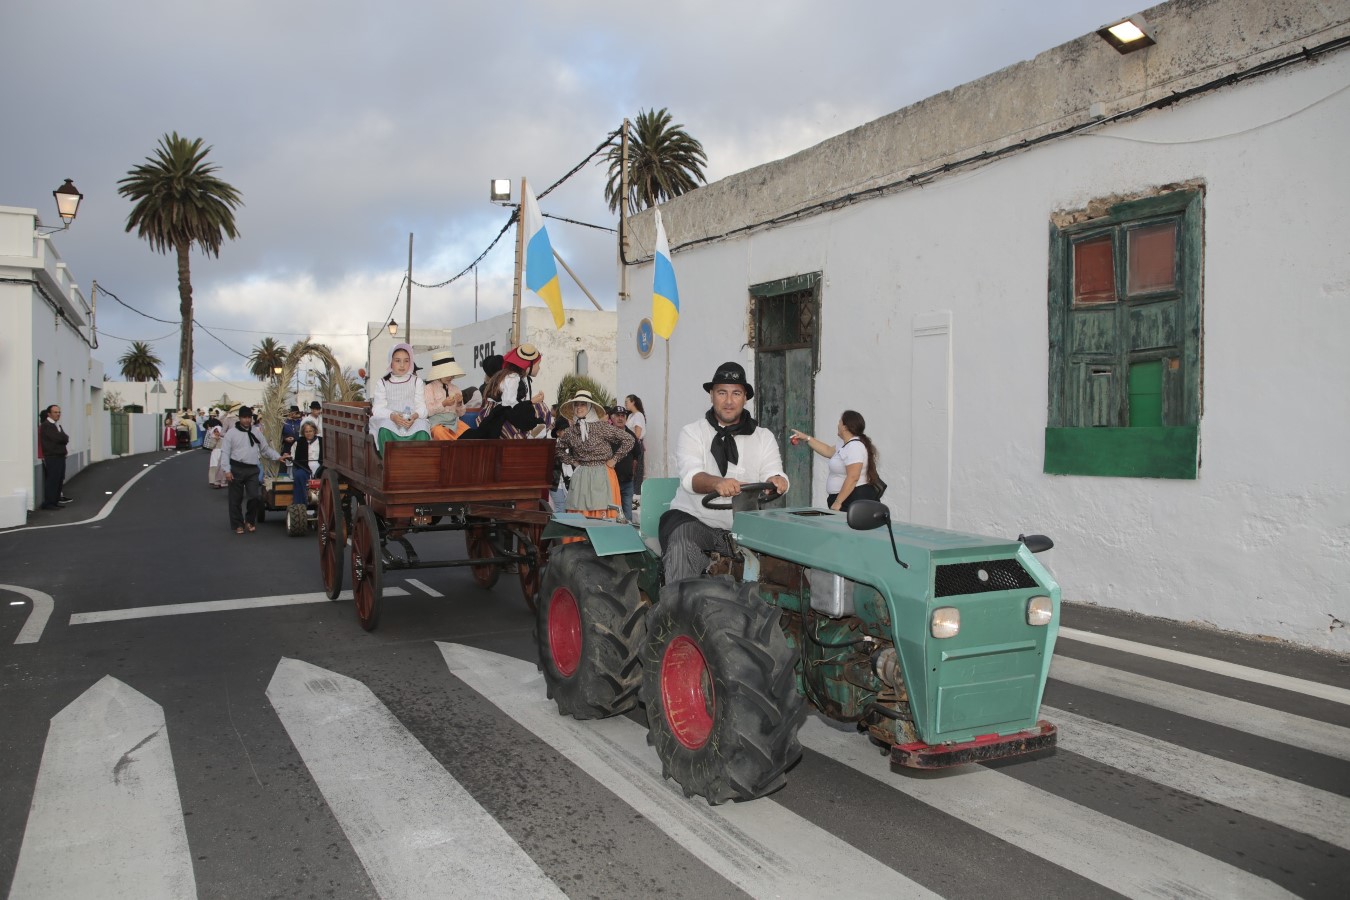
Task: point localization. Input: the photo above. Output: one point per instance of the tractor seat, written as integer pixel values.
(656, 496)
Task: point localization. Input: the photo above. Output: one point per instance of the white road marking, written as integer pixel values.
(33, 627)
(1273, 724)
(106, 820)
(417, 831)
(102, 513)
(1295, 806)
(422, 587)
(209, 606)
(1118, 856)
(761, 847)
(1217, 666)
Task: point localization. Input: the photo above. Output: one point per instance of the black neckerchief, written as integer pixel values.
(252, 438)
(724, 448)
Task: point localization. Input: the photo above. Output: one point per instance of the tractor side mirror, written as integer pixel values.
(864, 515)
(1036, 543)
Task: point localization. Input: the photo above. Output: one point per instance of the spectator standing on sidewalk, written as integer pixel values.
(627, 465)
(637, 423)
(52, 441)
(242, 450)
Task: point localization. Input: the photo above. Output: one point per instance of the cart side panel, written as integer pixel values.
(469, 470)
(348, 446)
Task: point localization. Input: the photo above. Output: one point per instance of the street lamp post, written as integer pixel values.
(68, 199)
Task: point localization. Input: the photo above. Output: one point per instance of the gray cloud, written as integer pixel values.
(346, 125)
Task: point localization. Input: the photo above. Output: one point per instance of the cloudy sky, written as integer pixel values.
(346, 125)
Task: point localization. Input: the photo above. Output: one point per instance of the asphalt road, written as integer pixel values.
(281, 751)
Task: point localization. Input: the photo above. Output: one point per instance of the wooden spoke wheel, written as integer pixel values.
(480, 547)
(531, 570)
(367, 567)
(332, 528)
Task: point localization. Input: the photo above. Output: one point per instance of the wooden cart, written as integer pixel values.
(496, 492)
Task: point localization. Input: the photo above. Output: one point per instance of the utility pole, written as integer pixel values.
(623, 213)
(407, 306)
(520, 259)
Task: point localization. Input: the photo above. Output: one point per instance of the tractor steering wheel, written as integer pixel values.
(746, 499)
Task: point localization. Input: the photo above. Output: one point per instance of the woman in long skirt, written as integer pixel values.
(593, 446)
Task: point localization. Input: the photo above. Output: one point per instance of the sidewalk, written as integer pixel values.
(93, 485)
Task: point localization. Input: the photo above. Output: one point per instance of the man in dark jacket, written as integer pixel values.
(52, 440)
(626, 467)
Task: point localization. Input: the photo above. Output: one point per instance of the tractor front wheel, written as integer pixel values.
(590, 626)
(720, 689)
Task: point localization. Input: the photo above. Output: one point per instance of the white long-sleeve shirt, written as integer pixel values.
(236, 446)
(760, 461)
(389, 397)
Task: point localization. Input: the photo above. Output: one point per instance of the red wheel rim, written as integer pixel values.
(564, 631)
(687, 693)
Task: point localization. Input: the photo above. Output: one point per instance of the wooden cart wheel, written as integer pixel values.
(531, 572)
(480, 547)
(332, 528)
(367, 567)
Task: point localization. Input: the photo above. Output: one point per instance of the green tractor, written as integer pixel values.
(936, 644)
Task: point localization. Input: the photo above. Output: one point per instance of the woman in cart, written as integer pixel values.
(445, 402)
(398, 405)
(593, 446)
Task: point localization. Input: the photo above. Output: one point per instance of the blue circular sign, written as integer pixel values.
(645, 338)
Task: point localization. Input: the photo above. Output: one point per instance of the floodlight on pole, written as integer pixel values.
(500, 190)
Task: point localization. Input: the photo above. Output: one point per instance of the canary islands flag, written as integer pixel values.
(665, 293)
(541, 272)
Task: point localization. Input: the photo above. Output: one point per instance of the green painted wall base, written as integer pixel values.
(1123, 452)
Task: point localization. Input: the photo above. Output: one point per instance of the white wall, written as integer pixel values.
(204, 393)
(588, 330)
(1260, 541)
(32, 331)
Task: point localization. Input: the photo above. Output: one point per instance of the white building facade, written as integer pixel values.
(46, 339)
(1100, 296)
(583, 346)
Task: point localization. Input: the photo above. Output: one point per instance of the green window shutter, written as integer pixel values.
(1124, 327)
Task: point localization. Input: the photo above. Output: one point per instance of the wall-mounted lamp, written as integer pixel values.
(68, 199)
(1129, 34)
(500, 191)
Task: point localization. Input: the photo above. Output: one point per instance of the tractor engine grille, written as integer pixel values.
(981, 577)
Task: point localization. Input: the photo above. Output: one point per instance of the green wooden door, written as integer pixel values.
(786, 350)
(784, 388)
(120, 426)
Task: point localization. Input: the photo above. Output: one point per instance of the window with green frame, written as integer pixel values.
(1124, 314)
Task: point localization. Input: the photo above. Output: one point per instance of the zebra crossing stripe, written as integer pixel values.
(1295, 806)
(1273, 724)
(761, 847)
(106, 820)
(1217, 666)
(1114, 854)
(417, 831)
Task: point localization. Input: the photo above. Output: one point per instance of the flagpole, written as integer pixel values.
(665, 417)
(520, 266)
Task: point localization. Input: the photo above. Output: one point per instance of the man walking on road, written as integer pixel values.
(52, 440)
(241, 454)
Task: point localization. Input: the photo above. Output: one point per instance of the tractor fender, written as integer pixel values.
(607, 536)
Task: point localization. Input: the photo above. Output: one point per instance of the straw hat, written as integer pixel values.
(582, 396)
(443, 365)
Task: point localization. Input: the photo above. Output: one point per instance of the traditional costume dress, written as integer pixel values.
(398, 394)
(590, 444)
(445, 403)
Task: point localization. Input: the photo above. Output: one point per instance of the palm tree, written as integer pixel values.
(268, 355)
(139, 363)
(344, 388)
(180, 202)
(663, 162)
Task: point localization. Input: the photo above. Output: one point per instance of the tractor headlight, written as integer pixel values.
(946, 622)
(1039, 611)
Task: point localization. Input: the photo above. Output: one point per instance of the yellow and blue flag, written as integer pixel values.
(665, 293)
(541, 272)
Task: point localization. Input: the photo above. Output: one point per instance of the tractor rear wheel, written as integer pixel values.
(720, 687)
(590, 627)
